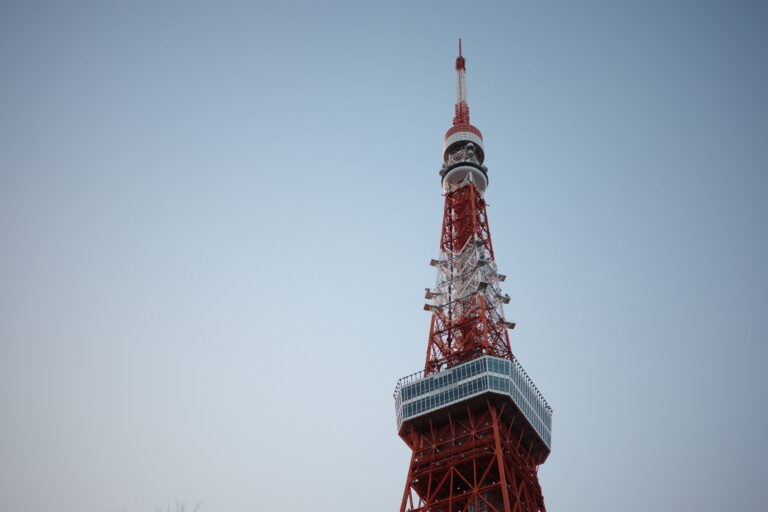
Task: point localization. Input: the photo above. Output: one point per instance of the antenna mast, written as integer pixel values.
(462, 109)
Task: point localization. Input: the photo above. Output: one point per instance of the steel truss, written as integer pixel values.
(468, 317)
(474, 459)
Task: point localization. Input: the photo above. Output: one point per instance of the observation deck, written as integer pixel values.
(417, 396)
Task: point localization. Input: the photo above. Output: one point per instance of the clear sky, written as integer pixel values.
(216, 220)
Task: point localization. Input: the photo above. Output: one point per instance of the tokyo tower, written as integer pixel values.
(478, 426)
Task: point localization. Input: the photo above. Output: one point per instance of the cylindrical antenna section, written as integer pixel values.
(460, 63)
(462, 109)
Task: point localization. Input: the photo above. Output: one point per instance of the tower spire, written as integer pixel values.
(462, 109)
(463, 152)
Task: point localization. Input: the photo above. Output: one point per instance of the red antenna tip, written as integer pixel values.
(460, 60)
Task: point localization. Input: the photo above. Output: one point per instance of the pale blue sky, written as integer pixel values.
(216, 220)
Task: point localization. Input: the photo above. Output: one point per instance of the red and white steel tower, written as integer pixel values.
(478, 426)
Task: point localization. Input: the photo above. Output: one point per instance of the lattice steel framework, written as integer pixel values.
(480, 453)
(468, 318)
(475, 458)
